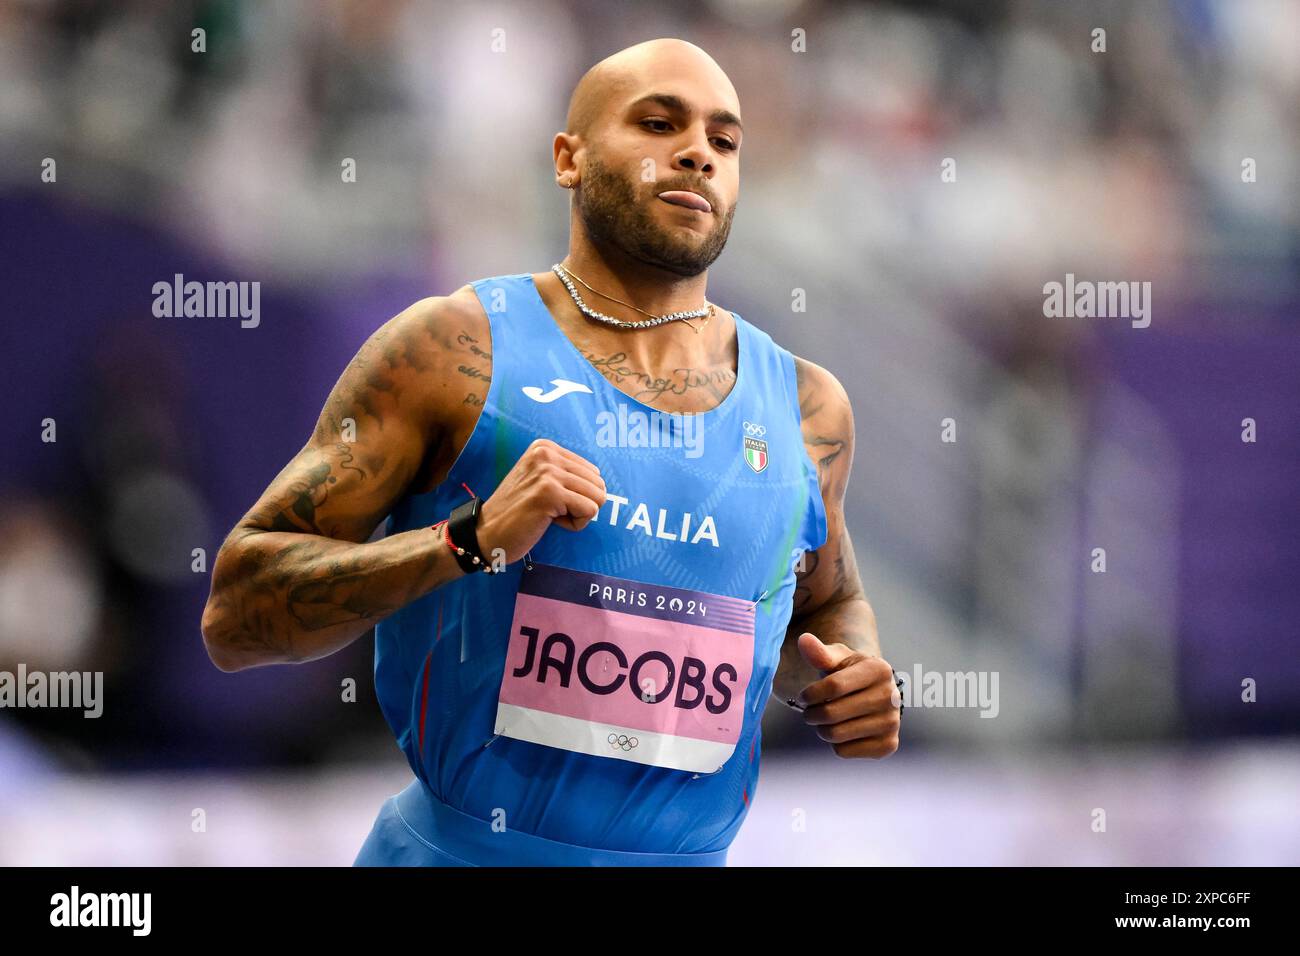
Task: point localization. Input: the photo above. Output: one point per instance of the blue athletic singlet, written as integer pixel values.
(600, 703)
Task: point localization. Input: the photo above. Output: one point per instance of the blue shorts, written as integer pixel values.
(414, 828)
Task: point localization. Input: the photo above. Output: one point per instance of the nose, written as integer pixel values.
(693, 157)
(690, 162)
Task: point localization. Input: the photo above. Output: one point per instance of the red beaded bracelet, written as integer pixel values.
(446, 536)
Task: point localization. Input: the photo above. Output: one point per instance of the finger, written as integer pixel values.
(568, 462)
(577, 508)
(872, 747)
(586, 470)
(819, 654)
(583, 485)
(861, 703)
(859, 728)
(575, 460)
(861, 674)
(570, 523)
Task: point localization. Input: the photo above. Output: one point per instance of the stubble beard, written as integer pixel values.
(614, 217)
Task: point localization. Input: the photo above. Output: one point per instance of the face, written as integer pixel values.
(689, 148)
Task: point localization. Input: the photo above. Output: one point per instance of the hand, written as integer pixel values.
(548, 484)
(855, 706)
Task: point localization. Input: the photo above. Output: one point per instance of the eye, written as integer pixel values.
(722, 142)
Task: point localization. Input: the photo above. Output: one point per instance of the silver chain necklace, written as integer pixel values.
(560, 271)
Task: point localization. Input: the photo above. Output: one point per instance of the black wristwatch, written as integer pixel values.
(462, 528)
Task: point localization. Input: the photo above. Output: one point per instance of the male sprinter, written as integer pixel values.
(614, 522)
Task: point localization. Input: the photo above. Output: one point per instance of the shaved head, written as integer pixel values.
(635, 65)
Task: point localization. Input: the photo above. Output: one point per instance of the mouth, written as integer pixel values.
(686, 199)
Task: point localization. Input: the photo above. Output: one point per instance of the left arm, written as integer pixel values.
(830, 661)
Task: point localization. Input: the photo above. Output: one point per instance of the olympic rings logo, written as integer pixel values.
(621, 741)
(755, 431)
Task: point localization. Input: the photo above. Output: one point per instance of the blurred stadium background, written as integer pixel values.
(1119, 690)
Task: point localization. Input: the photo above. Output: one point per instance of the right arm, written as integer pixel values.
(295, 580)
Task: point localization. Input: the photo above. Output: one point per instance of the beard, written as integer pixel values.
(615, 216)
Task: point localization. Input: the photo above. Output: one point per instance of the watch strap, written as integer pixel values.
(462, 529)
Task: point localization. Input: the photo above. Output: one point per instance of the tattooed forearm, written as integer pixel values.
(284, 588)
(318, 604)
(282, 598)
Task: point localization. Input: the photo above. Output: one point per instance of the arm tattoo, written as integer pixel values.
(467, 340)
(295, 509)
(826, 423)
(298, 563)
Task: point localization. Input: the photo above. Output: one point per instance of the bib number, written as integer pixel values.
(626, 670)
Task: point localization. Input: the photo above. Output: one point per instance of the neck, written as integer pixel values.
(646, 286)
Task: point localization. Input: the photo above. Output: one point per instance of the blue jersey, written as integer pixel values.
(691, 557)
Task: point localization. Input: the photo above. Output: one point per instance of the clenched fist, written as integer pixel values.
(548, 484)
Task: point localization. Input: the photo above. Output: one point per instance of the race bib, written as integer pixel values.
(616, 668)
